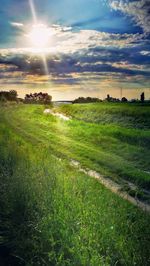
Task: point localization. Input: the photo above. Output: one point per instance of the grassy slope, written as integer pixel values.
(135, 115)
(119, 135)
(53, 215)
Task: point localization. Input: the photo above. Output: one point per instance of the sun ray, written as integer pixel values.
(32, 7)
(45, 64)
(43, 56)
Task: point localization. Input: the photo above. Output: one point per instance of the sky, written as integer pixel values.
(74, 48)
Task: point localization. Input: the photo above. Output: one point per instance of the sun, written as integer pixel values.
(39, 35)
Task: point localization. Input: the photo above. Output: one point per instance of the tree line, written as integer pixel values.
(107, 99)
(41, 98)
(45, 98)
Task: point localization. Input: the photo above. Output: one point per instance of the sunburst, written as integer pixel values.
(39, 36)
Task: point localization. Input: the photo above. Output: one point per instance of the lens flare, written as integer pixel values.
(39, 35)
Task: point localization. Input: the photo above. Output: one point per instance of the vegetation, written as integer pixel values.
(53, 215)
(142, 97)
(86, 100)
(117, 144)
(40, 98)
(8, 96)
(110, 99)
(128, 115)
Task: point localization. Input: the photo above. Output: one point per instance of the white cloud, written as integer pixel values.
(138, 10)
(145, 53)
(60, 28)
(68, 41)
(65, 40)
(85, 39)
(17, 24)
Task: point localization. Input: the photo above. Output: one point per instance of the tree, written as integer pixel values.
(124, 99)
(8, 95)
(142, 97)
(42, 98)
(3, 98)
(47, 99)
(12, 95)
(111, 99)
(108, 97)
(86, 100)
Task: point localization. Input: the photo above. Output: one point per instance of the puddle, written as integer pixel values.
(63, 117)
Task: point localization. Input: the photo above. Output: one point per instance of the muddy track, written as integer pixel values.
(113, 186)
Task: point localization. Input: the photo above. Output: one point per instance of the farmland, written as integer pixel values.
(54, 215)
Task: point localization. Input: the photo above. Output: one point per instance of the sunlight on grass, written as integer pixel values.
(51, 213)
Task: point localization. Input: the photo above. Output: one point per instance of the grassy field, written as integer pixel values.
(53, 215)
(119, 134)
(131, 115)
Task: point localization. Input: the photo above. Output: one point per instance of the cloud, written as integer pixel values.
(147, 53)
(91, 38)
(7, 68)
(63, 67)
(65, 39)
(138, 10)
(17, 24)
(79, 58)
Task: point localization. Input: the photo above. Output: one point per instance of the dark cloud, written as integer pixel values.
(62, 67)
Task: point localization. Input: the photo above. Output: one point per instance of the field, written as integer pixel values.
(52, 214)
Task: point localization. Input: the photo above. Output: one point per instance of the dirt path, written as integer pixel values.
(114, 187)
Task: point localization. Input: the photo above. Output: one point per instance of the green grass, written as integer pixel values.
(117, 133)
(53, 215)
(114, 150)
(135, 115)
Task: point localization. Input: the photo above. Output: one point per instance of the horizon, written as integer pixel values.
(90, 48)
(118, 95)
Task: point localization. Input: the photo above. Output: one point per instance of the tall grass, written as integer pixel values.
(50, 213)
(125, 114)
(111, 149)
